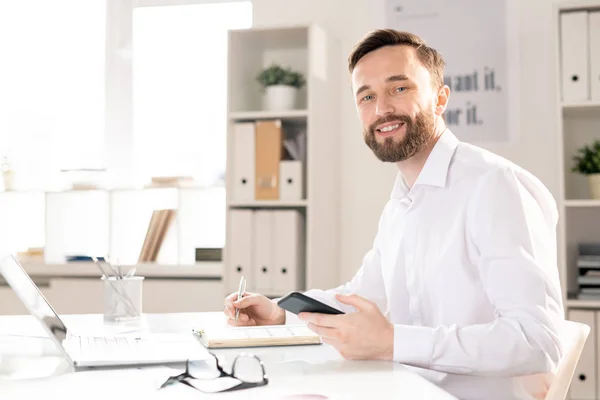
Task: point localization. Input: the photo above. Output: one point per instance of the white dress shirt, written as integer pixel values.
(464, 264)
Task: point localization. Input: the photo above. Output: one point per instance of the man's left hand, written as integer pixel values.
(363, 335)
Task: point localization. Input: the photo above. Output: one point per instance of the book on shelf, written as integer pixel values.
(159, 224)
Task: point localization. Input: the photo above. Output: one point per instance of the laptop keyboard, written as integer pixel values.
(105, 343)
(132, 349)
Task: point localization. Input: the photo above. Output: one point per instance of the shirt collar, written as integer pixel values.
(435, 170)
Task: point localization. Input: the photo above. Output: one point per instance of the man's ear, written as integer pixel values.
(442, 100)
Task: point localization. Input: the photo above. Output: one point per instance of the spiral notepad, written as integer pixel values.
(256, 336)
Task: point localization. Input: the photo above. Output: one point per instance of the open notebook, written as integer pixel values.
(253, 336)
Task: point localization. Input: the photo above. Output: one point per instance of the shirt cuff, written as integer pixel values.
(413, 345)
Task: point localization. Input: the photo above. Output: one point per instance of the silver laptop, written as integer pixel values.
(97, 351)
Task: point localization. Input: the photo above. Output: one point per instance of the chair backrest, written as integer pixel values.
(573, 338)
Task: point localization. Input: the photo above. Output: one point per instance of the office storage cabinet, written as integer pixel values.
(282, 182)
(578, 118)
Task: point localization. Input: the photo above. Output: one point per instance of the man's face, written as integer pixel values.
(395, 100)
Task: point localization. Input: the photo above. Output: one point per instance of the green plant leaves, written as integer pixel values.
(587, 160)
(275, 74)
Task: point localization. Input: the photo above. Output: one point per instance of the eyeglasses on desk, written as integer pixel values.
(209, 376)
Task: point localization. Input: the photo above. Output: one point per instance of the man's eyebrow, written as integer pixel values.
(393, 78)
(362, 89)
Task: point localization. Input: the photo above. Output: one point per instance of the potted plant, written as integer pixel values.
(281, 85)
(587, 162)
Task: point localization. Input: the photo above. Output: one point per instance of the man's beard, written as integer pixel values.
(417, 136)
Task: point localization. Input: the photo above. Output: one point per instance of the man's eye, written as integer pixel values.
(400, 89)
(368, 97)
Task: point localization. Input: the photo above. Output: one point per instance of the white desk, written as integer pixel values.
(292, 370)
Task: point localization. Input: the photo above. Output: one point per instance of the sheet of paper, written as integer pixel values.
(261, 332)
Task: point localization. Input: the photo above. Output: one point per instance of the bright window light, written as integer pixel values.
(51, 87)
(180, 89)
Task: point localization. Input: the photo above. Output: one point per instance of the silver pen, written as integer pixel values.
(241, 290)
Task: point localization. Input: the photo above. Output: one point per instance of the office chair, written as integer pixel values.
(573, 338)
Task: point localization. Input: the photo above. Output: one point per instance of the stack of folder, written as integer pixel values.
(588, 265)
(267, 165)
(267, 247)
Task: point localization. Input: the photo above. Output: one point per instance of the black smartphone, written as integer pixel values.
(297, 302)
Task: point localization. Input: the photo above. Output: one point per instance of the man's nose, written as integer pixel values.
(384, 106)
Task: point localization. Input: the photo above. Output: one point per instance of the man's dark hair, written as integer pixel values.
(429, 57)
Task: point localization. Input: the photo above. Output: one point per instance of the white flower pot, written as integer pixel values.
(594, 182)
(280, 97)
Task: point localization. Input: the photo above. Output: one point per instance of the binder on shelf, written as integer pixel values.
(263, 250)
(291, 181)
(244, 143)
(269, 145)
(574, 45)
(240, 248)
(594, 27)
(583, 385)
(288, 264)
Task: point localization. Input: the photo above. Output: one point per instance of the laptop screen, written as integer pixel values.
(32, 298)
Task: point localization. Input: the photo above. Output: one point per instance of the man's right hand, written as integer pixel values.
(255, 309)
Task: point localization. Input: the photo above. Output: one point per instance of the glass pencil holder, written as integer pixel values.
(122, 299)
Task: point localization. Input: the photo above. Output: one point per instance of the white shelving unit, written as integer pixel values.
(579, 122)
(111, 222)
(269, 203)
(582, 203)
(299, 115)
(578, 119)
(584, 108)
(312, 51)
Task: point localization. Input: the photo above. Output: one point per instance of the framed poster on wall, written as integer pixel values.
(478, 42)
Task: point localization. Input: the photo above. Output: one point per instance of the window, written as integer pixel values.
(51, 104)
(52, 87)
(180, 88)
(57, 78)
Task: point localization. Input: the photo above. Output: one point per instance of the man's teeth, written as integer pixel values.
(389, 128)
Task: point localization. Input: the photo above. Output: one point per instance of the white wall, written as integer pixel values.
(366, 182)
